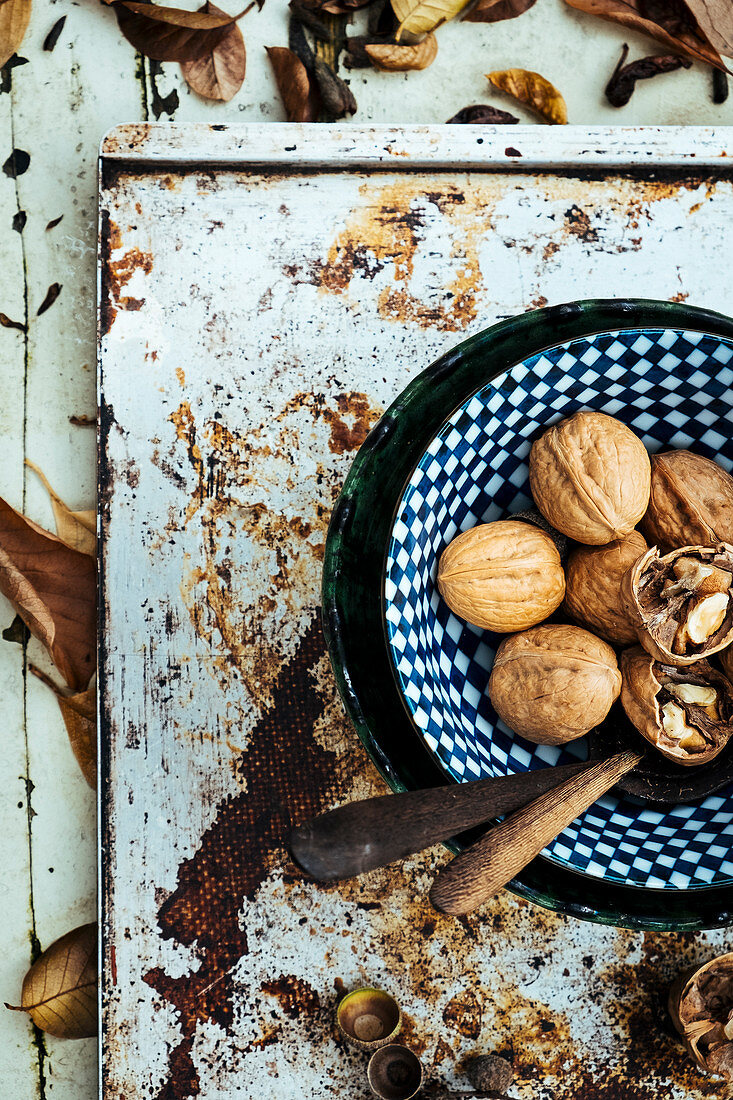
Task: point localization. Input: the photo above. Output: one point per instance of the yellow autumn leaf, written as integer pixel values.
(14, 18)
(77, 529)
(399, 59)
(423, 16)
(79, 712)
(532, 90)
(60, 989)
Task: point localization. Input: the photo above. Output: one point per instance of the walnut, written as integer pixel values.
(701, 1006)
(691, 502)
(681, 603)
(590, 477)
(593, 587)
(502, 576)
(552, 684)
(686, 713)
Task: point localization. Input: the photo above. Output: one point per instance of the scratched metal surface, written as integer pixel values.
(254, 323)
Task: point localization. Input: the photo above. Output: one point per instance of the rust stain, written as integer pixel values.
(464, 1013)
(180, 376)
(239, 850)
(385, 236)
(229, 494)
(295, 995)
(578, 223)
(118, 274)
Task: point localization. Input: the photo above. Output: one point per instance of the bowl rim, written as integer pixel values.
(353, 608)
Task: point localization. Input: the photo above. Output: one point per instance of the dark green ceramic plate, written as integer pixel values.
(353, 588)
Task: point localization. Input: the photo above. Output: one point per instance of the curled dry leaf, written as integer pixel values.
(532, 90)
(51, 295)
(60, 989)
(293, 83)
(79, 712)
(171, 34)
(6, 322)
(483, 114)
(14, 18)
(54, 590)
(54, 34)
(76, 529)
(219, 72)
(669, 21)
(400, 59)
(423, 16)
(494, 11)
(620, 87)
(336, 95)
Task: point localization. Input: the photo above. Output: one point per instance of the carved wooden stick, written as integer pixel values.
(363, 835)
(481, 871)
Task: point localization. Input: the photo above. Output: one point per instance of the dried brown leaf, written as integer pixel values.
(400, 59)
(54, 590)
(620, 87)
(218, 73)
(54, 34)
(293, 83)
(76, 529)
(6, 322)
(532, 90)
(60, 989)
(54, 222)
(14, 19)
(668, 21)
(715, 18)
(483, 114)
(51, 295)
(79, 712)
(494, 11)
(171, 34)
(422, 16)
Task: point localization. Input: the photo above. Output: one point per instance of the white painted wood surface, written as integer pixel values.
(59, 107)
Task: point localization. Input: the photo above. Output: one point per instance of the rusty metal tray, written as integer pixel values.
(264, 293)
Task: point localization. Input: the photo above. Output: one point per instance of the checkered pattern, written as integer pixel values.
(673, 389)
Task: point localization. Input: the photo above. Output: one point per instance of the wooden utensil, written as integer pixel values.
(376, 831)
(483, 869)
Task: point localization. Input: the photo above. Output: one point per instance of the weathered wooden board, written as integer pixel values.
(56, 107)
(264, 294)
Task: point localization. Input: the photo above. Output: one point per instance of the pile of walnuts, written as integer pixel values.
(661, 595)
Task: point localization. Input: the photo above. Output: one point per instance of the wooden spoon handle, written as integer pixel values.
(481, 871)
(376, 831)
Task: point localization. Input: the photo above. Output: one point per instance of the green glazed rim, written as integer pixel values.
(353, 588)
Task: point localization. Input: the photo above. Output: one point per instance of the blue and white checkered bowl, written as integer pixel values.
(674, 389)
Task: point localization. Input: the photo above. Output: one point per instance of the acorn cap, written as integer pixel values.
(369, 1018)
(395, 1073)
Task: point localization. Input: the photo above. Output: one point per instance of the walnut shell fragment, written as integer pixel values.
(553, 684)
(590, 477)
(681, 603)
(686, 713)
(502, 576)
(593, 578)
(691, 502)
(701, 1006)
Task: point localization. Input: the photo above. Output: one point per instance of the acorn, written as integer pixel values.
(369, 1018)
(395, 1073)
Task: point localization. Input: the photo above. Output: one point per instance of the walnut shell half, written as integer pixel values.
(553, 684)
(502, 576)
(691, 502)
(593, 587)
(686, 713)
(590, 477)
(682, 603)
(701, 1006)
